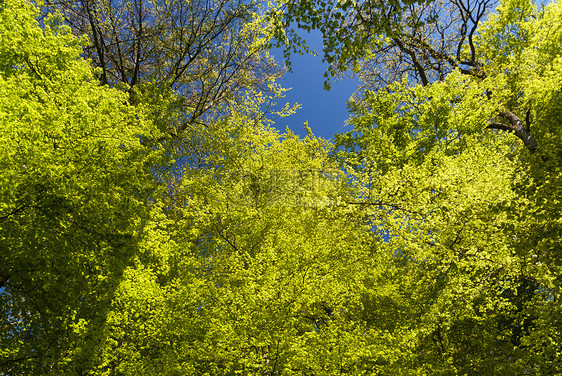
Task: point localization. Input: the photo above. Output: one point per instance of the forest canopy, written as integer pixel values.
(153, 221)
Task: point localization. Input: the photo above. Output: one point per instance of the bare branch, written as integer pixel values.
(415, 61)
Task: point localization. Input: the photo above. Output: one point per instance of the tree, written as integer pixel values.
(395, 36)
(425, 243)
(245, 264)
(385, 41)
(74, 191)
(459, 198)
(203, 51)
(249, 267)
(180, 61)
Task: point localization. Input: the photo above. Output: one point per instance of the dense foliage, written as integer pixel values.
(154, 222)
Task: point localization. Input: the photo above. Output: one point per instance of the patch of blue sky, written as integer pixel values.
(324, 111)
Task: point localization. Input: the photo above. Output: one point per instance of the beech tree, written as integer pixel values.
(239, 267)
(253, 269)
(458, 198)
(203, 51)
(74, 191)
(425, 41)
(152, 220)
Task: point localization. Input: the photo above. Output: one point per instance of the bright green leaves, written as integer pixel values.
(74, 186)
(433, 251)
(250, 267)
(531, 67)
(464, 209)
(402, 124)
(505, 34)
(42, 52)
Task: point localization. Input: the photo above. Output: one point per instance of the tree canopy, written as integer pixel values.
(153, 221)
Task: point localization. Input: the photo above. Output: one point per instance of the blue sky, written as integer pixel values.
(325, 111)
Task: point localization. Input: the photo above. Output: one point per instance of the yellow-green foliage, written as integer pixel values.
(135, 241)
(73, 192)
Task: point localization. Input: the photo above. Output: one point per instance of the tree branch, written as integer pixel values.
(516, 126)
(417, 65)
(501, 126)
